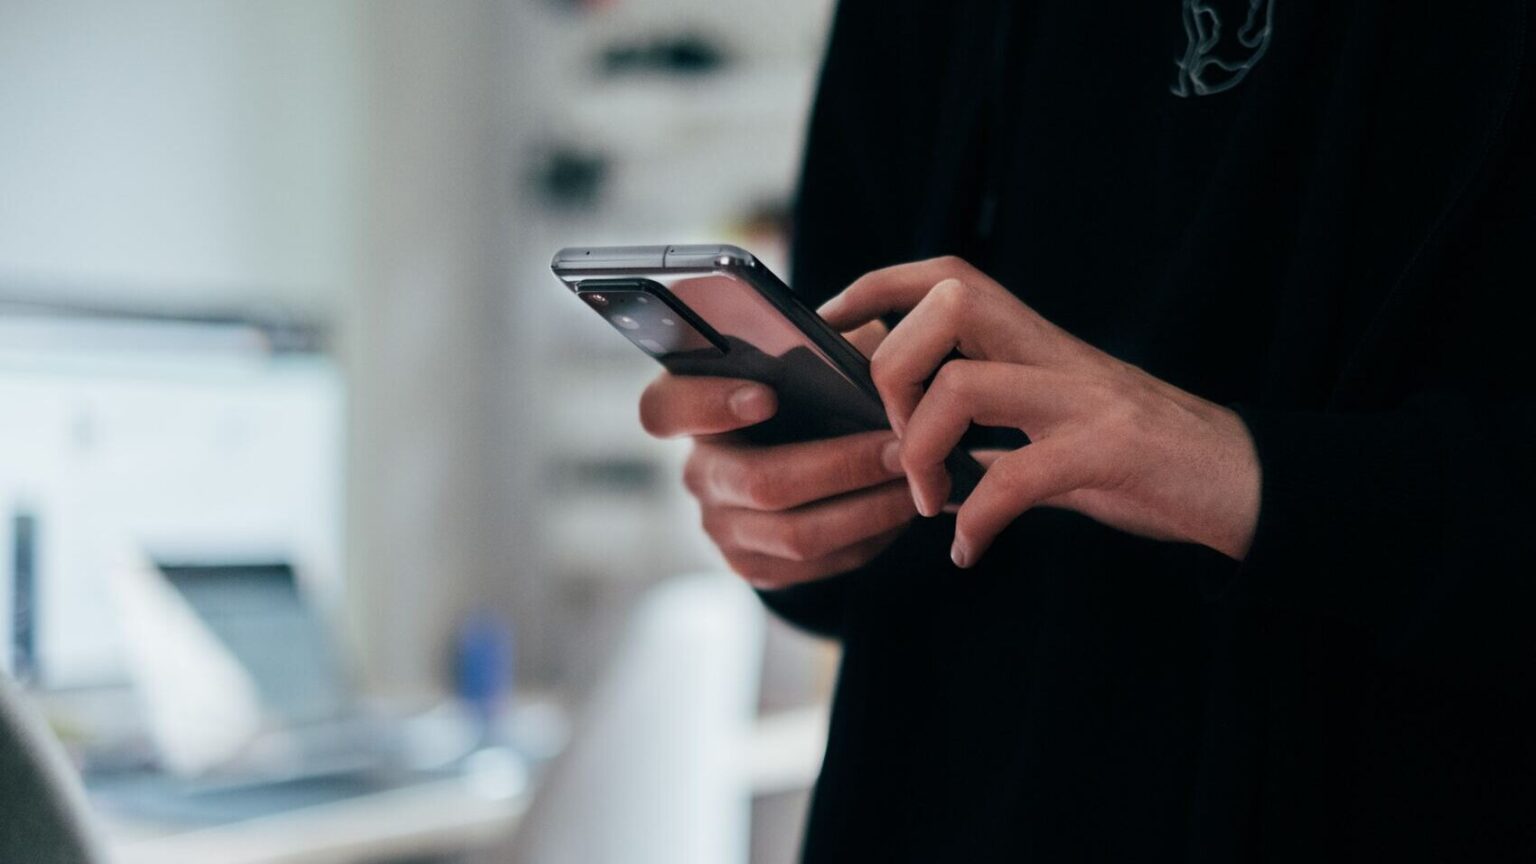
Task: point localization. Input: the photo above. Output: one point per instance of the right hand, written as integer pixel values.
(786, 513)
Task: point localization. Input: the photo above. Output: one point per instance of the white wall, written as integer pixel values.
(427, 344)
(174, 156)
(190, 152)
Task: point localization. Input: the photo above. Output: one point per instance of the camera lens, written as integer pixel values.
(626, 322)
(597, 300)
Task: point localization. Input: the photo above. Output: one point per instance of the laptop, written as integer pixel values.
(335, 748)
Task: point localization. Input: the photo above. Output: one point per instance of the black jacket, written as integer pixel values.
(1338, 246)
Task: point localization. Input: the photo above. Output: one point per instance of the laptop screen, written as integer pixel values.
(260, 614)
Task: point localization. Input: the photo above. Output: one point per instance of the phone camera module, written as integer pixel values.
(626, 322)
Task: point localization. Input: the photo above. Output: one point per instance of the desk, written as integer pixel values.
(438, 817)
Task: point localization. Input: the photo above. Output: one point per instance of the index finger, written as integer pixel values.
(868, 337)
(890, 289)
(1030, 398)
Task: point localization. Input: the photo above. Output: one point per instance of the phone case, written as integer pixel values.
(731, 317)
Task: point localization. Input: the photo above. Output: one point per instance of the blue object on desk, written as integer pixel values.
(483, 668)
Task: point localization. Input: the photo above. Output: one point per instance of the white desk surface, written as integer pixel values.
(439, 817)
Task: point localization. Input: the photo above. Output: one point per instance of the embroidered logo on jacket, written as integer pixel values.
(1217, 58)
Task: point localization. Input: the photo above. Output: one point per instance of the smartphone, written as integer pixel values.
(716, 310)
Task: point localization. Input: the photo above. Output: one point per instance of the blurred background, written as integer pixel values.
(330, 532)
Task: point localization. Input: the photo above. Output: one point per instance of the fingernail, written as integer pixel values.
(751, 403)
(890, 457)
(829, 306)
(923, 507)
(959, 554)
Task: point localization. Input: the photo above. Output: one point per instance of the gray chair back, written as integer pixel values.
(43, 817)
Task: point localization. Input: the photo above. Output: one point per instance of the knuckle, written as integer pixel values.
(695, 469)
(860, 285)
(757, 488)
(850, 559)
(955, 378)
(747, 567)
(797, 540)
(1118, 389)
(952, 263)
(771, 580)
(880, 366)
(1119, 429)
(952, 296)
(786, 541)
(761, 574)
(964, 270)
(1119, 369)
(1100, 390)
(714, 471)
(1122, 415)
(712, 520)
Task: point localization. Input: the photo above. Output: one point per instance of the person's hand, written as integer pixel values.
(787, 513)
(1107, 439)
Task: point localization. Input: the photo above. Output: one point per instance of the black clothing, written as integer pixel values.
(1334, 240)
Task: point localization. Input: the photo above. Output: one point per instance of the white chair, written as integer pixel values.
(655, 773)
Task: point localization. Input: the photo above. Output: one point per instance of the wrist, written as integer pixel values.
(1238, 485)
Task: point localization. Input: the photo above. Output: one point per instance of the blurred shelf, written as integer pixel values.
(652, 115)
(681, 154)
(637, 158)
(750, 30)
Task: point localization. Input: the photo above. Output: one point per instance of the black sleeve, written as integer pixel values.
(846, 220)
(1418, 523)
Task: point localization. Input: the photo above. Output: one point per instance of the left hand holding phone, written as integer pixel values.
(787, 513)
